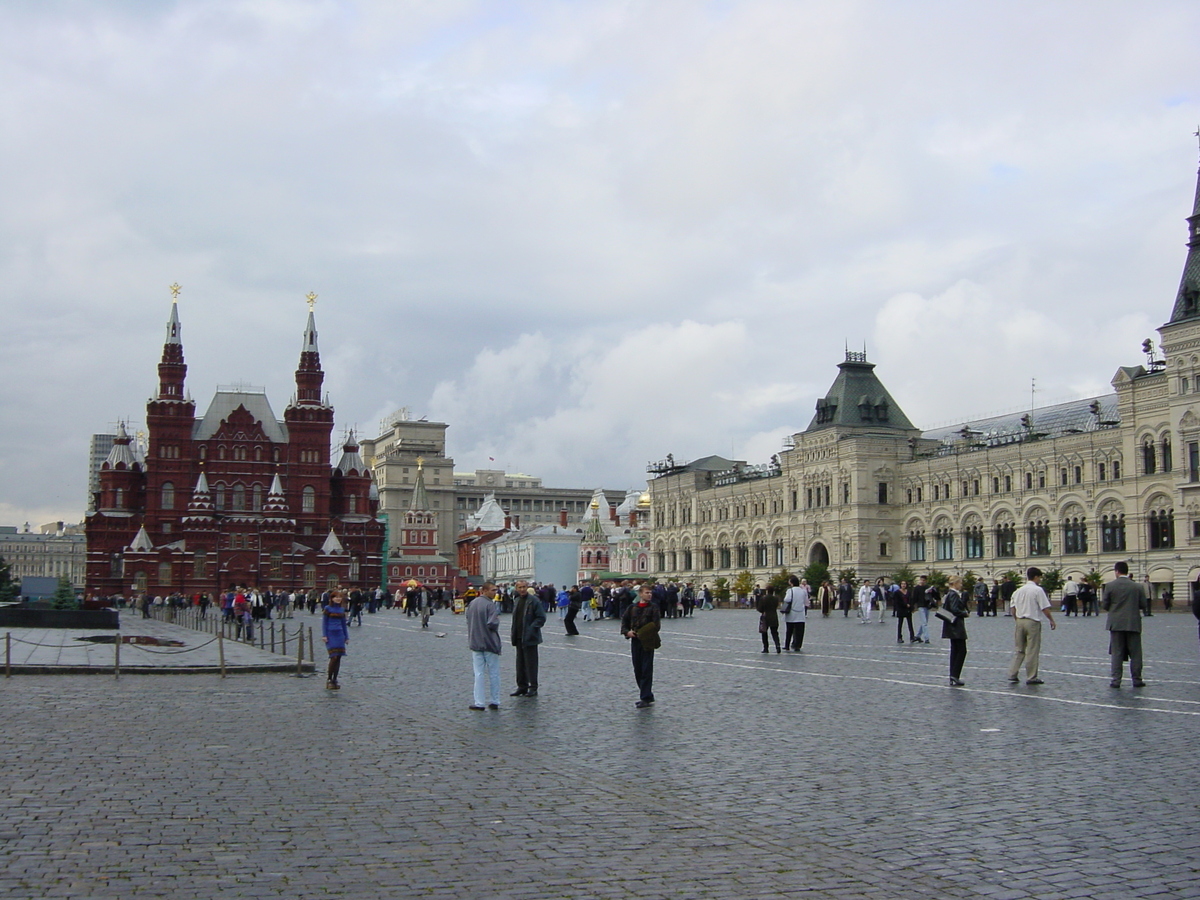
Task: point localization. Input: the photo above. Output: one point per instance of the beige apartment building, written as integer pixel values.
(1077, 485)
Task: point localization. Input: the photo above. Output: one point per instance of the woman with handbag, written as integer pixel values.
(953, 613)
(768, 619)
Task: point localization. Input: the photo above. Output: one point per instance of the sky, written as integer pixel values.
(584, 234)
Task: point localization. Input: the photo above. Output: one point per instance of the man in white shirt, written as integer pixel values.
(1030, 608)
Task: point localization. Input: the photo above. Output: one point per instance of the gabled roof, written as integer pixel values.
(857, 399)
(225, 402)
(489, 517)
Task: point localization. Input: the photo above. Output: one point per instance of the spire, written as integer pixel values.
(276, 507)
(309, 376)
(1187, 299)
(332, 545)
(420, 499)
(351, 462)
(200, 507)
(171, 369)
(141, 542)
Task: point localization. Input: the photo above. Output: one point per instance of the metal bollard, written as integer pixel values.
(117, 656)
(8, 654)
(221, 650)
(284, 640)
(312, 656)
(272, 635)
(299, 654)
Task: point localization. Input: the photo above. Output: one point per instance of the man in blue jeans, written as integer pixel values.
(920, 602)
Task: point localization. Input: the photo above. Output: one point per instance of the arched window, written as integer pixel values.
(219, 496)
(354, 568)
(352, 504)
(239, 497)
(1039, 537)
(164, 575)
(1075, 535)
(1148, 457)
(310, 576)
(119, 498)
(276, 564)
(1166, 454)
(139, 581)
(308, 500)
(916, 546)
(1162, 529)
(168, 495)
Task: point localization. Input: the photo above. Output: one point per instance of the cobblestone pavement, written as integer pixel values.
(848, 770)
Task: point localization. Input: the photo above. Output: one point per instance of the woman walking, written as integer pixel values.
(955, 629)
(336, 637)
(768, 619)
(795, 607)
(902, 607)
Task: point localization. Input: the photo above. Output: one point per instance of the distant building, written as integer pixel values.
(235, 496)
(413, 555)
(53, 553)
(546, 554)
(98, 449)
(454, 497)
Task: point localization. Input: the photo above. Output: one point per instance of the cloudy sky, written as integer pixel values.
(584, 234)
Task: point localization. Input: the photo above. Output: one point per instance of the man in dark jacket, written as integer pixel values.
(528, 618)
(640, 625)
(1124, 601)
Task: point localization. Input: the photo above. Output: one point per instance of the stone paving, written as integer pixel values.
(848, 770)
(48, 651)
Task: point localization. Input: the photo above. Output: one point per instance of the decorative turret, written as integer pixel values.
(309, 377)
(858, 399)
(1187, 299)
(200, 507)
(172, 370)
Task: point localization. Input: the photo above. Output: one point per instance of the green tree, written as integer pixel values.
(64, 594)
(904, 573)
(970, 579)
(779, 582)
(721, 589)
(1052, 580)
(743, 584)
(849, 575)
(1094, 579)
(815, 573)
(939, 580)
(10, 590)
(1012, 575)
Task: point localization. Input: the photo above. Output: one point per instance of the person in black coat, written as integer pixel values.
(903, 610)
(955, 630)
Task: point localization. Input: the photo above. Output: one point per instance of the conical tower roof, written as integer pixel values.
(1187, 298)
(420, 499)
(858, 399)
(121, 454)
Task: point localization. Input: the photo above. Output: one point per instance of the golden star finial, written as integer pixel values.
(420, 462)
(312, 300)
(175, 289)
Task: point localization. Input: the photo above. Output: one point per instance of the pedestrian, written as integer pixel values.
(795, 609)
(336, 635)
(1124, 600)
(864, 603)
(825, 598)
(954, 629)
(920, 601)
(483, 637)
(768, 619)
(1030, 608)
(574, 604)
(900, 603)
(845, 596)
(640, 625)
(529, 616)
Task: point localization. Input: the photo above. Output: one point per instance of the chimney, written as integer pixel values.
(516, 521)
(562, 517)
(507, 522)
(612, 514)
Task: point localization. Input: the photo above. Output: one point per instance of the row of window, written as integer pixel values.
(166, 571)
(1160, 526)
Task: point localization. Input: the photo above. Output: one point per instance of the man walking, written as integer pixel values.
(640, 625)
(864, 602)
(1030, 608)
(1123, 600)
(528, 618)
(483, 637)
(920, 603)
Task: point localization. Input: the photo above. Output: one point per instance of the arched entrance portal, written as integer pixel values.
(819, 554)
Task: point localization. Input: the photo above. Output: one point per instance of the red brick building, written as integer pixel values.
(236, 496)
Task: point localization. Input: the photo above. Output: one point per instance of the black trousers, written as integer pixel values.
(569, 620)
(774, 632)
(527, 667)
(958, 656)
(794, 635)
(643, 669)
(901, 618)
